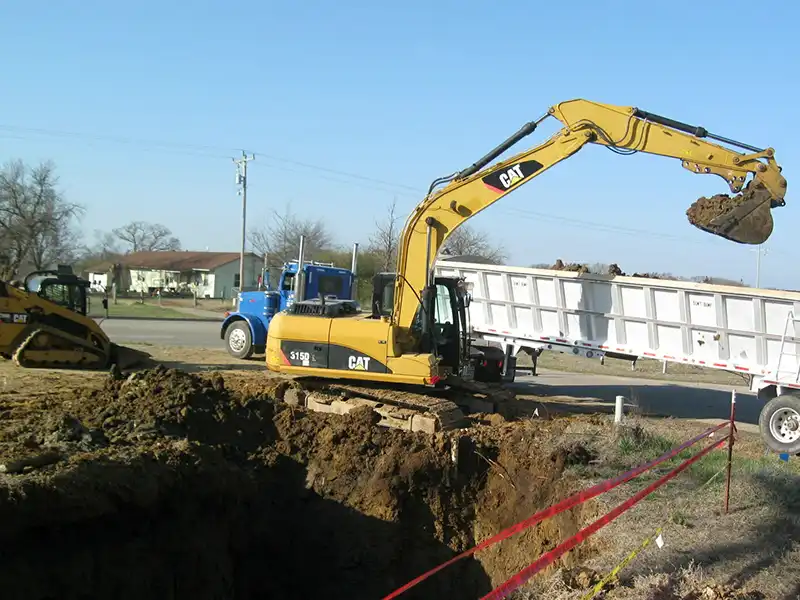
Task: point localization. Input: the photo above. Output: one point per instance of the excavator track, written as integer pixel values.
(412, 408)
(50, 348)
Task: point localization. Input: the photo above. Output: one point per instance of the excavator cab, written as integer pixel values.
(441, 327)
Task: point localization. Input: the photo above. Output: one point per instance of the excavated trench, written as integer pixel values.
(168, 485)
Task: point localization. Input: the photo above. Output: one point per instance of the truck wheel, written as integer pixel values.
(779, 423)
(238, 340)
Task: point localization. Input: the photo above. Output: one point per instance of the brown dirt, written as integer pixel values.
(560, 265)
(705, 210)
(613, 269)
(755, 228)
(170, 484)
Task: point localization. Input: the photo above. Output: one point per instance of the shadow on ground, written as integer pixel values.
(206, 529)
(761, 547)
(250, 364)
(656, 400)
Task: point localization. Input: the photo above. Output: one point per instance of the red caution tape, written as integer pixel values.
(549, 557)
(560, 507)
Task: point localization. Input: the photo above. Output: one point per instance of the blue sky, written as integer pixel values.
(142, 105)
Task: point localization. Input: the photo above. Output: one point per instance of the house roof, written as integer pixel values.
(172, 260)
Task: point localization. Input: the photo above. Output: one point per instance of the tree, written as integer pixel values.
(466, 241)
(280, 238)
(36, 221)
(106, 246)
(383, 243)
(141, 236)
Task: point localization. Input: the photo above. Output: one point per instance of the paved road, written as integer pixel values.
(198, 334)
(591, 392)
(653, 397)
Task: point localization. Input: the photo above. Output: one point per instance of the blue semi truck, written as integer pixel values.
(245, 329)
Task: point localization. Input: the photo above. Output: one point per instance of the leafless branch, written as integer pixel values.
(280, 237)
(36, 221)
(466, 241)
(385, 240)
(141, 236)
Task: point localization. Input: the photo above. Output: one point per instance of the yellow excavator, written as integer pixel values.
(417, 332)
(44, 323)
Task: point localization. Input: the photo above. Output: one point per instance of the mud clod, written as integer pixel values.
(173, 485)
(705, 210)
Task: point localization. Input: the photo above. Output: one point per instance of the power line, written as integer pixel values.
(202, 147)
(209, 151)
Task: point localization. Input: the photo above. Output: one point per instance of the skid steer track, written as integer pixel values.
(50, 348)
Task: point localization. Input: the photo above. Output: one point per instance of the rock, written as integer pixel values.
(294, 397)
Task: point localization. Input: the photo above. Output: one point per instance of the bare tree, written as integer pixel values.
(141, 236)
(383, 243)
(36, 222)
(280, 237)
(466, 241)
(106, 246)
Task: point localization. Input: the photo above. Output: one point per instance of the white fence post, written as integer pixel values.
(618, 406)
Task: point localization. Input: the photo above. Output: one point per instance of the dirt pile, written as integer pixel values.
(560, 265)
(704, 210)
(167, 484)
(613, 269)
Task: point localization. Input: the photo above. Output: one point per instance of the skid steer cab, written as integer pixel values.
(442, 327)
(60, 287)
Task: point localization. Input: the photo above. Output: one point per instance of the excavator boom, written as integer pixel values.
(744, 217)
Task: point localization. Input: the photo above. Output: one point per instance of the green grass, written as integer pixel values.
(142, 311)
(635, 445)
(637, 441)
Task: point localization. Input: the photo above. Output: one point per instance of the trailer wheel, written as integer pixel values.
(238, 340)
(779, 423)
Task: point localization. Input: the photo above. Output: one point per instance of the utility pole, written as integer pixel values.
(759, 250)
(241, 181)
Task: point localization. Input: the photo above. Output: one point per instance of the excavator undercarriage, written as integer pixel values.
(411, 408)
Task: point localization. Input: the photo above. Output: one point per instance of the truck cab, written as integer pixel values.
(245, 329)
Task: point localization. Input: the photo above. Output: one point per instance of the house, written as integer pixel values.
(208, 274)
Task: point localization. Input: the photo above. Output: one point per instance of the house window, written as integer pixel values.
(236, 280)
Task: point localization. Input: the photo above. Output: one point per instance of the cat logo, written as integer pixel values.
(358, 363)
(511, 176)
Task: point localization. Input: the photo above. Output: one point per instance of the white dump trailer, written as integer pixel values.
(739, 329)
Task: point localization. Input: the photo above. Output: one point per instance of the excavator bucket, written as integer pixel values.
(745, 218)
(128, 358)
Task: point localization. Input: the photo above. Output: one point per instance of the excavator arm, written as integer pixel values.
(743, 218)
